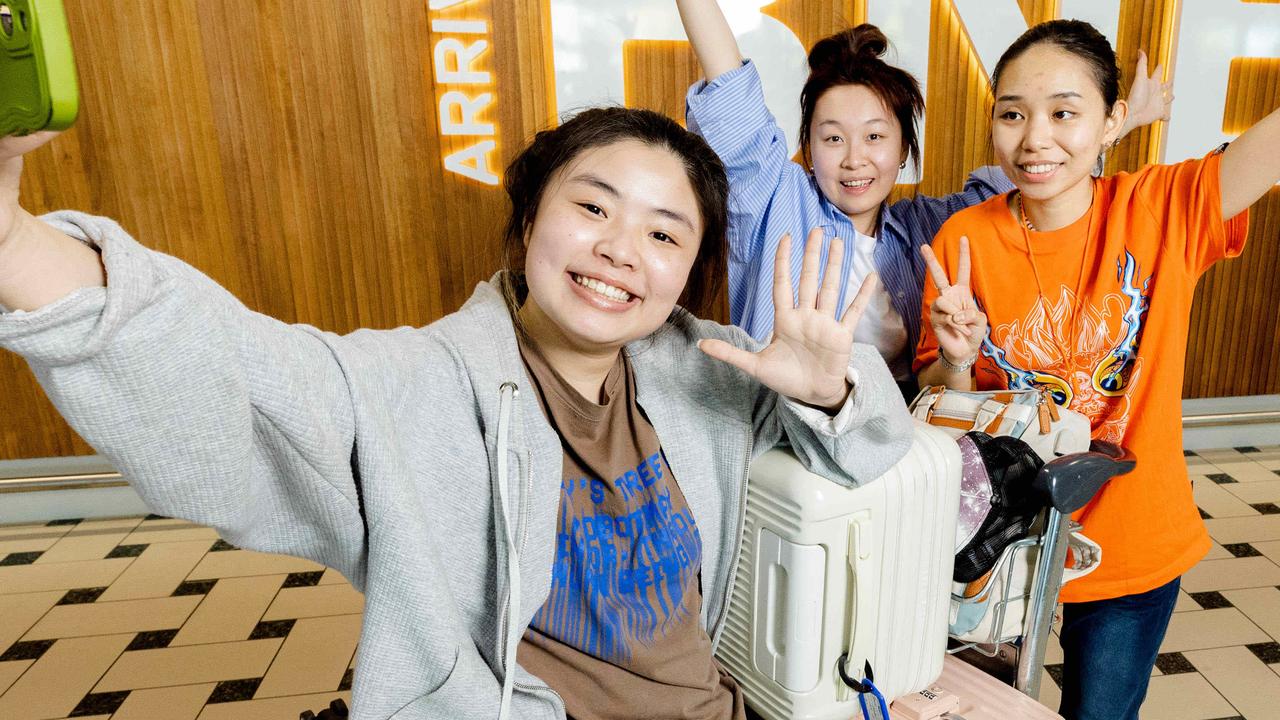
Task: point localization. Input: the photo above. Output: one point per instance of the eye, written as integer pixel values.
(1011, 115)
(834, 139)
(662, 237)
(1064, 114)
(874, 136)
(593, 209)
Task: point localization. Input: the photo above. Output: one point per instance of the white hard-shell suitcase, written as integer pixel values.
(827, 570)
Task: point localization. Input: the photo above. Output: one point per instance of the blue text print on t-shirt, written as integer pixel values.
(619, 579)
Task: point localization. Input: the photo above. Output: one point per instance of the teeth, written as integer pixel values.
(1037, 169)
(608, 291)
(855, 183)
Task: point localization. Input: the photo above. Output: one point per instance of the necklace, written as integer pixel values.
(1025, 226)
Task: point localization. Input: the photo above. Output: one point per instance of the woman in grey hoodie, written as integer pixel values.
(431, 466)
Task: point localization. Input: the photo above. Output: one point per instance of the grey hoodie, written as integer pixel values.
(415, 461)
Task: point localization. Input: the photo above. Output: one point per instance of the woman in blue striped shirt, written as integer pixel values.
(858, 130)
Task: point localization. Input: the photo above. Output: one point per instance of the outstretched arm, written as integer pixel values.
(1250, 165)
(713, 41)
(38, 264)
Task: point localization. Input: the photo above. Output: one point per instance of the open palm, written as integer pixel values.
(808, 356)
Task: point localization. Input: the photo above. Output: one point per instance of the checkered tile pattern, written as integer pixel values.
(158, 619)
(153, 618)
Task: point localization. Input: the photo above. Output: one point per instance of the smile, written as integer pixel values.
(856, 184)
(1039, 168)
(602, 289)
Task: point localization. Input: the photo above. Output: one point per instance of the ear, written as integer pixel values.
(1115, 123)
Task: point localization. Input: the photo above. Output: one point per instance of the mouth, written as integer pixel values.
(1039, 170)
(859, 184)
(599, 289)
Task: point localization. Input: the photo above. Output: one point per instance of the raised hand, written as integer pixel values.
(1150, 98)
(808, 356)
(12, 149)
(38, 264)
(957, 322)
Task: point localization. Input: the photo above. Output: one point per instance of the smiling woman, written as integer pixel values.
(611, 251)
(1082, 286)
(539, 494)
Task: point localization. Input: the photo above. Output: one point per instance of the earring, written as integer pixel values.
(902, 165)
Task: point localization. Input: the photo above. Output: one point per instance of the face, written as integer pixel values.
(856, 147)
(1050, 123)
(610, 248)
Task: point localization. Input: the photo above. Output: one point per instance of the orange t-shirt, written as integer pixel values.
(1145, 242)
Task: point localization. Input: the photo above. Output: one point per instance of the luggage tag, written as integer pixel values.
(873, 708)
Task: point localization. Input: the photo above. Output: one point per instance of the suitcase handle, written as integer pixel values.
(860, 565)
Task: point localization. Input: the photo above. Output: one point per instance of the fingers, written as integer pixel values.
(962, 272)
(809, 270)
(1141, 70)
(956, 314)
(782, 297)
(858, 305)
(735, 356)
(829, 295)
(1166, 95)
(16, 145)
(935, 268)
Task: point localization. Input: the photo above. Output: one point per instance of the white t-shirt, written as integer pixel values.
(880, 325)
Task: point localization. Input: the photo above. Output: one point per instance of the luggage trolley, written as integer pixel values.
(1063, 485)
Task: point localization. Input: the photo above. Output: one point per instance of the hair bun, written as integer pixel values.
(859, 44)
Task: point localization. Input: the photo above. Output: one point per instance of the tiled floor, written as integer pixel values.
(153, 618)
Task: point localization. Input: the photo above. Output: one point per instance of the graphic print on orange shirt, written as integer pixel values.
(1102, 365)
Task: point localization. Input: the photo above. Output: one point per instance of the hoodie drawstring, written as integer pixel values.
(509, 392)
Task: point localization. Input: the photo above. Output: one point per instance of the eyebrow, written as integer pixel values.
(599, 183)
(596, 182)
(1056, 96)
(876, 120)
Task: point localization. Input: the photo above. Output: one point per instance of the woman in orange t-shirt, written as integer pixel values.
(1083, 285)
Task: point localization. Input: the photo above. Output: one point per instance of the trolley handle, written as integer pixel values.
(1068, 483)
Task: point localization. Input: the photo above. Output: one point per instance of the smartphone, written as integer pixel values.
(38, 89)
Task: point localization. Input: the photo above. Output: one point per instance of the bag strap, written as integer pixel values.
(990, 415)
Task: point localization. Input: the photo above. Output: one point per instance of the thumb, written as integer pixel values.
(17, 145)
(745, 361)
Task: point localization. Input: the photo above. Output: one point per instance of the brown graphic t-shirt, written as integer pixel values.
(618, 635)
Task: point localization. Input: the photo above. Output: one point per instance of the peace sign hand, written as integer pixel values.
(956, 320)
(808, 356)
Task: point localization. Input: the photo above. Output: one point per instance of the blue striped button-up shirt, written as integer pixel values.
(769, 196)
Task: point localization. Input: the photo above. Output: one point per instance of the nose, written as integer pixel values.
(619, 245)
(1038, 133)
(853, 156)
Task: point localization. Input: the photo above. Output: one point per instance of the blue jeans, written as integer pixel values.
(1109, 648)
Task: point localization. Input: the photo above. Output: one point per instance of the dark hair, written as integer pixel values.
(1078, 38)
(852, 57)
(529, 173)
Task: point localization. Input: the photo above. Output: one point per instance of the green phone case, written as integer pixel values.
(38, 88)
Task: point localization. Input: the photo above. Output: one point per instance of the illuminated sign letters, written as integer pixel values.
(588, 37)
(458, 46)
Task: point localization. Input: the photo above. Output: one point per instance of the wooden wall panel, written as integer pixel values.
(293, 152)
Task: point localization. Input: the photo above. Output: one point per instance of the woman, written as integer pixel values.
(1083, 286)
(540, 495)
(857, 132)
